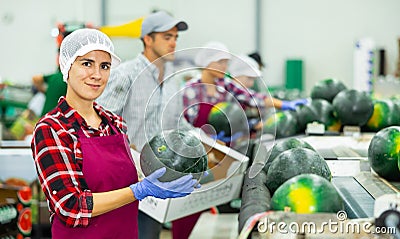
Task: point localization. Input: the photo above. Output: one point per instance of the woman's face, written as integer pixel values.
(88, 76)
(218, 68)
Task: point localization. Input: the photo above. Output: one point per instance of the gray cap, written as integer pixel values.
(161, 22)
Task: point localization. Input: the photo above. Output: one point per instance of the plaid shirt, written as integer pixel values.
(58, 159)
(227, 90)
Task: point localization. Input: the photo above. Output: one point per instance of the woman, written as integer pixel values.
(82, 155)
(212, 87)
(244, 70)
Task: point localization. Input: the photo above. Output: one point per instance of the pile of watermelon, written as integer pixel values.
(299, 179)
(295, 178)
(335, 106)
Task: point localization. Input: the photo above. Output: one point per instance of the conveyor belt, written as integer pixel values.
(376, 186)
(359, 192)
(358, 202)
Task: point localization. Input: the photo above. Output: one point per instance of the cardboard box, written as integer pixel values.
(227, 168)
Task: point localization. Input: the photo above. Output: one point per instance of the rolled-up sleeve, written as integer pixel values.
(61, 177)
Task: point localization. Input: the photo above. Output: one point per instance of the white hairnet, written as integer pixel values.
(81, 42)
(244, 66)
(211, 52)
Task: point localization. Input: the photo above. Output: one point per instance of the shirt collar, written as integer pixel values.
(72, 116)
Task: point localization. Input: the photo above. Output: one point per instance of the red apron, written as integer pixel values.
(107, 165)
(202, 115)
(204, 109)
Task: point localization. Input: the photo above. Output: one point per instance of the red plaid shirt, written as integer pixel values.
(58, 159)
(195, 92)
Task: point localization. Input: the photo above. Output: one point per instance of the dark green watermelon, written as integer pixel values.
(384, 153)
(228, 117)
(317, 110)
(386, 113)
(283, 145)
(293, 162)
(281, 124)
(180, 151)
(353, 107)
(327, 89)
(307, 193)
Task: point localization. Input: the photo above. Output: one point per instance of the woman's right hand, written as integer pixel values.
(151, 186)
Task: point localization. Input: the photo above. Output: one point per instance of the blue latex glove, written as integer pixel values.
(291, 105)
(226, 139)
(151, 186)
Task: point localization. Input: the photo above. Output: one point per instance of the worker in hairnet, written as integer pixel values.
(82, 156)
(244, 70)
(212, 87)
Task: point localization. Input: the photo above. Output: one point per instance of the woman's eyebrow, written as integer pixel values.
(86, 59)
(91, 60)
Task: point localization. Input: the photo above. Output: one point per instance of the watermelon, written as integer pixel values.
(317, 110)
(353, 107)
(25, 195)
(384, 153)
(307, 193)
(283, 145)
(386, 113)
(228, 117)
(396, 99)
(25, 221)
(281, 124)
(180, 151)
(293, 162)
(327, 89)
